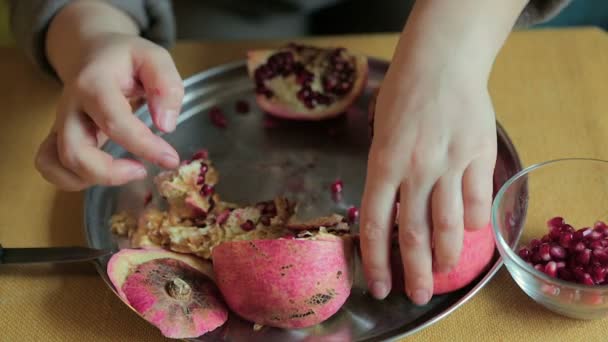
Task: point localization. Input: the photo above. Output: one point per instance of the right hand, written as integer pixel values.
(95, 107)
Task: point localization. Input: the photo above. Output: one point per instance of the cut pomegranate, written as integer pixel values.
(217, 117)
(568, 254)
(301, 82)
(242, 107)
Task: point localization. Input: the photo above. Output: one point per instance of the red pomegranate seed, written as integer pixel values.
(546, 238)
(555, 233)
(556, 222)
(568, 228)
(534, 243)
(601, 256)
(352, 214)
(560, 264)
(200, 180)
(200, 154)
(599, 274)
(579, 247)
(248, 225)
(539, 267)
(204, 169)
(337, 186)
(147, 198)
(217, 117)
(557, 252)
(581, 233)
(583, 257)
(596, 244)
(544, 251)
(242, 107)
(524, 253)
(207, 190)
(600, 224)
(586, 279)
(551, 269)
(199, 213)
(595, 235)
(536, 258)
(565, 239)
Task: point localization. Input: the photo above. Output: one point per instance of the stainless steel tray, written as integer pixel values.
(259, 159)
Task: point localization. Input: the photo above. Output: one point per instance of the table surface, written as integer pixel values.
(550, 92)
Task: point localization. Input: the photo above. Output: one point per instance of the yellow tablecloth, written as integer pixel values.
(550, 90)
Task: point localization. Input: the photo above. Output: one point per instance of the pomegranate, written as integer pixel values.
(573, 255)
(169, 290)
(301, 82)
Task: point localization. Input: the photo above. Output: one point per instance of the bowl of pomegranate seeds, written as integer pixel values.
(557, 250)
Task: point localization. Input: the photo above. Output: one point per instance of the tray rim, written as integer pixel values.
(221, 68)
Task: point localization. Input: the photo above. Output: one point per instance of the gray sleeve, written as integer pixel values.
(538, 11)
(29, 20)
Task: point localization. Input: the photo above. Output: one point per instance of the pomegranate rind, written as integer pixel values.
(123, 262)
(475, 256)
(256, 58)
(206, 310)
(285, 283)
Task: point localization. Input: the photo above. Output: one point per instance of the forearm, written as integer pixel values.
(75, 28)
(467, 34)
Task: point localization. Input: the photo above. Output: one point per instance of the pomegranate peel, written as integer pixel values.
(285, 283)
(173, 292)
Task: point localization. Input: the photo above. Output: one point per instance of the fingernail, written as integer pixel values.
(379, 289)
(169, 160)
(139, 173)
(169, 120)
(420, 296)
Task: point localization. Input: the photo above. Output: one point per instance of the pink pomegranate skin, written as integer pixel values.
(477, 251)
(285, 283)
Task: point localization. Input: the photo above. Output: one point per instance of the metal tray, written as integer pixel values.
(259, 158)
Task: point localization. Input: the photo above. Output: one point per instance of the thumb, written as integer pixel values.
(163, 86)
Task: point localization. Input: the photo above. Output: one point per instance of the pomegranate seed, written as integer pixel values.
(557, 252)
(536, 258)
(534, 243)
(555, 233)
(601, 256)
(583, 257)
(147, 198)
(200, 154)
(544, 251)
(598, 274)
(217, 117)
(524, 253)
(265, 220)
(207, 190)
(556, 222)
(586, 279)
(578, 272)
(560, 264)
(565, 239)
(337, 186)
(579, 247)
(596, 244)
(199, 213)
(595, 235)
(568, 228)
(353, 214)
(551, 269)
(242, 107)
(200, 180)
(600, 225)
(248, 225)
(546, 238)
(581, 233)
(539, 267)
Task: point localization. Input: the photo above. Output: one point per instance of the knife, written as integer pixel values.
(50, 254)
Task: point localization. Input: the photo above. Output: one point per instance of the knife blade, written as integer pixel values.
(50, 254)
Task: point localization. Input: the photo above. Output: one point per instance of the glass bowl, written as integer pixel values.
(575, 189)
